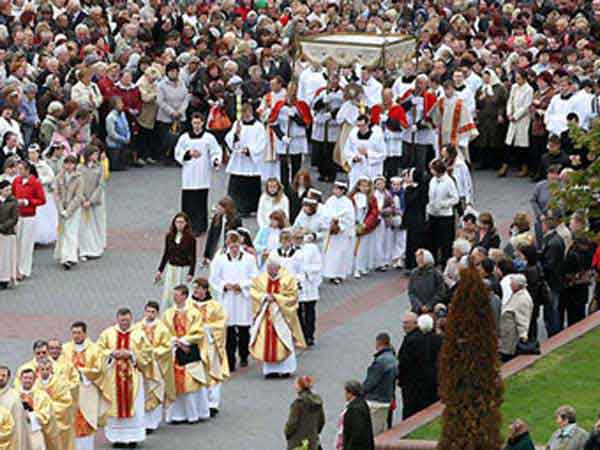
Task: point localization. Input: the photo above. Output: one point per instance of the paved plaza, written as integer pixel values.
(141, 204)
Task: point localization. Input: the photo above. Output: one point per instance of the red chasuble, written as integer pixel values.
(124, 378)
(301, 107)
(270, 333)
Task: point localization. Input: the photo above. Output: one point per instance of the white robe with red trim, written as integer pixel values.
(454, 122)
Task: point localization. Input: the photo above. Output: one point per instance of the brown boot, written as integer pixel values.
(503, 170)
(524, 171)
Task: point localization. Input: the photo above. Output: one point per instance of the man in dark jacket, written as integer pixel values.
(552, 259)
(9, 216)
(417, 368)
(380, 383)
(357, 431)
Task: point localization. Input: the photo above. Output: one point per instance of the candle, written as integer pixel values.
(362, 106)
(238, 107)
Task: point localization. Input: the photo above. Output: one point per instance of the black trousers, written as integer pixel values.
(148, 143)
(539, 145)
(391, 166)
(307, 313)
(325, 163)
(166, 141)
(194, 204)
(520, 155)
(442, 237)
(118, 158)
(245, 192)
(417, 156)
(532, 335)
(572, 304)
(238, 339)
(295, 161)
(415, 239)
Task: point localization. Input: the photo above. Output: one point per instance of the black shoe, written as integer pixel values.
(132, 445)
(3, 284)
(149, 431)
(67, 266)
(119, 445)
(244, 363)
(310, 342)
(232, 369)
(214, 412)
(177, 422)
(272, 376)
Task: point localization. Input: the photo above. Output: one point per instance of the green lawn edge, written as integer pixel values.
(568, 375)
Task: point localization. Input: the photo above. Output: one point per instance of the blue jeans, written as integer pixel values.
(551, 314)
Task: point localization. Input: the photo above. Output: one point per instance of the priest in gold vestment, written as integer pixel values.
(89, 405)
(42, 419)
(59, 391)
(191, 380)
(159, 380)
(127, 354)
(7, 428)
(214, 324)
(10, 400)
(40, 352)
(276, 330)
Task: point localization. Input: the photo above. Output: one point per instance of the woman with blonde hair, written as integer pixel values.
(273, 198)
(146, 119)
(367, 218)
(93, 217)
(307, 418)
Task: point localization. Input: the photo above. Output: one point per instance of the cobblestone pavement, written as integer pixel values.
(141, 203)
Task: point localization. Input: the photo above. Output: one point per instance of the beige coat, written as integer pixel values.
(93, 183)
(514, 321)
(69, 195)
(517, 108)
(148, 93)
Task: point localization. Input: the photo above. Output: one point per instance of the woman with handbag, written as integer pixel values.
(306, 419)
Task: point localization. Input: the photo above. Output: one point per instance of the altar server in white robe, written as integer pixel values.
(337, 250)
(373, 89)
(199, 153)
(314, 221)
(310, 81)
(364, 151)
(582, 103)
(246, 141)
(68, 192)
(346, 118)
(287, 253)
(46, 219)
(560, 106)
(309, 279)
(231, 274)
(270, 164)
(92, 231)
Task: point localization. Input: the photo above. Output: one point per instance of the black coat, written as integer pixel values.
(521, 442)
(214, 234)
(358, 430)
(491, 239)
(593, 442)
(553, 257)
(417, 371)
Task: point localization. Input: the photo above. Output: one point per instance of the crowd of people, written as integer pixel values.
(221, 89)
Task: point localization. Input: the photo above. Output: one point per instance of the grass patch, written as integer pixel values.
(569, 375)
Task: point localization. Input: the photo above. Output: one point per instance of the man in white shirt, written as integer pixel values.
(310, 81)
(199, 153)
(364, 151)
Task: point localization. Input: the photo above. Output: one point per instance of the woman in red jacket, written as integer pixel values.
(132, 103)
(367, 218)
(29, 193)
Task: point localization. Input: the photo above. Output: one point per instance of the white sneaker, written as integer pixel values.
(83, 259)
(357, 274)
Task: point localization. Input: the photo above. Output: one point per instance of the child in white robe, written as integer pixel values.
(383, 234)
(337, 249)
(398, 245)
(367, 218)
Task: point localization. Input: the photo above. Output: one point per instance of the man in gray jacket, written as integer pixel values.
(569, 435)
(380, 383)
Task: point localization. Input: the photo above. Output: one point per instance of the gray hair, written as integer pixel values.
(353, 387)
(427, 257)
(462, 245)
(567, 412)
(519, 279)
(425, 323)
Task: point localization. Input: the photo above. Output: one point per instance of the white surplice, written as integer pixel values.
(254, 138)
(370, 165)
(337, 250)
(226, 269)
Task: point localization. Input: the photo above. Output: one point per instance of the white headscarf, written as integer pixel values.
(494, 80)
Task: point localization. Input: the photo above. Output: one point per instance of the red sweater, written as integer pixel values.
(32, 191)
(372, 219)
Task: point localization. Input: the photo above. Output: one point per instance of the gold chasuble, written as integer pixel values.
(7, 428)
(214, 323)
(159, 380)
(47, 436)
(185, 324)
(59, 392)
(121, 381)
(10, 400)
(276, 328)
(89, 405)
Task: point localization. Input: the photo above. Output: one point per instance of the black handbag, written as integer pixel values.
(190, 357)
(528, 348)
